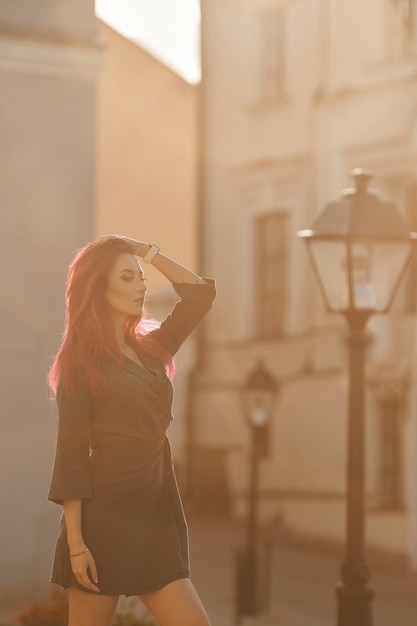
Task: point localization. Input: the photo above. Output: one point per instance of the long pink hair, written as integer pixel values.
(89, 335)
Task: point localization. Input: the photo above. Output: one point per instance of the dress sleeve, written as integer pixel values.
(71, 477)
(195, 302)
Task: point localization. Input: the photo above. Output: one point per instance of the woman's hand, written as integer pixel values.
(85, 571)
(140, 248)
(82, 562)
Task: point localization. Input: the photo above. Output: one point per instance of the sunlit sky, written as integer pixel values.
(168, 29)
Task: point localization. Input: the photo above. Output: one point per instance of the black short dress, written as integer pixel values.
(112, 452)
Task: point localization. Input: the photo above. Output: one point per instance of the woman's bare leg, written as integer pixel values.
(89, 609)
(176, 604)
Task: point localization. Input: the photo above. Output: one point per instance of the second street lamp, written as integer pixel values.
(359, 247)
(258, 396)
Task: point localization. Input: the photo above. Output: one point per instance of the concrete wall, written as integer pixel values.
(47, 111)
(58, 19)
(87, 121)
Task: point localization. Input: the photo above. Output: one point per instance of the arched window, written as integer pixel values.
(271, 232)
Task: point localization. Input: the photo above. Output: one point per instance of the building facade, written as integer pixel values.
(294, 95)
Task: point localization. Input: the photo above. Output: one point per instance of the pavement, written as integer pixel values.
(302, 583)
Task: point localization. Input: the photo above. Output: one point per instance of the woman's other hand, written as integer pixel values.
(85, 571)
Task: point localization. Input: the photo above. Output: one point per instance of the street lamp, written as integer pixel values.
(258, 397)
(359, 247)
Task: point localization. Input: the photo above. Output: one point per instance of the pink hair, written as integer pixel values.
(89, 334)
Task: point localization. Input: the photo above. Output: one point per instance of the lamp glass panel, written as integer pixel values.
(377, 268)
(330, 264)
(259, 405)
(362, 258)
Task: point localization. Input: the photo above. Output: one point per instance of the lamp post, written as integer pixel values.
(258, 396)
(359, 247)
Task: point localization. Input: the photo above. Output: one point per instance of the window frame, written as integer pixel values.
(271, 66)
(271, 303)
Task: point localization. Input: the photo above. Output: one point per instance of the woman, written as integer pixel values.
(123, 530)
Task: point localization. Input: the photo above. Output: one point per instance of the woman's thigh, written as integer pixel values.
(89, 609)
(176, 604)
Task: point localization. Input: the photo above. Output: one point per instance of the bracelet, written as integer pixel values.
(151, 254)
(80, 553)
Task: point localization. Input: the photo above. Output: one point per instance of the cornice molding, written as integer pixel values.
(390, 157)
(52, 57)
(269, 164)
(374, 78)
(279, 171)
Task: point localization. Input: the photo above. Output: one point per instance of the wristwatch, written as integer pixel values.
(151, 254)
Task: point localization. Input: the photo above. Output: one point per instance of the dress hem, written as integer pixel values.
(179, 576)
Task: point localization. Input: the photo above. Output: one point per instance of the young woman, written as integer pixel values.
(123, 530)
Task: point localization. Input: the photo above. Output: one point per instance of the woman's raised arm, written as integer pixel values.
(174, 271)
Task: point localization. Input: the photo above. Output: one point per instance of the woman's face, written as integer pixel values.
(126, 287)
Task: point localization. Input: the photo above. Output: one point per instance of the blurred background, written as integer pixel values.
(107, 127)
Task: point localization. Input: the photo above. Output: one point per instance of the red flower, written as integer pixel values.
(53, 613)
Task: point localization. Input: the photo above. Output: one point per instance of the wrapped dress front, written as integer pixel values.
(112, 452)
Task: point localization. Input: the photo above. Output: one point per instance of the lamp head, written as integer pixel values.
(259, 394)
(360, 247)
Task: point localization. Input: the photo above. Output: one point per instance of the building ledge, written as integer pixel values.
(50, 55)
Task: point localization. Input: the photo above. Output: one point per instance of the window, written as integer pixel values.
(390, 471)
(401, 28)
(390, 393)
(411, 274)
(271, 273)
(271, 71)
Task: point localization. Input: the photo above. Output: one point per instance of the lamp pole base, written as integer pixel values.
(354, 605)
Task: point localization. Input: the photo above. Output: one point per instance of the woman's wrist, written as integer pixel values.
(142, 249)
(79, 552)
(146, 251)
(76, 544)
(151, 253)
